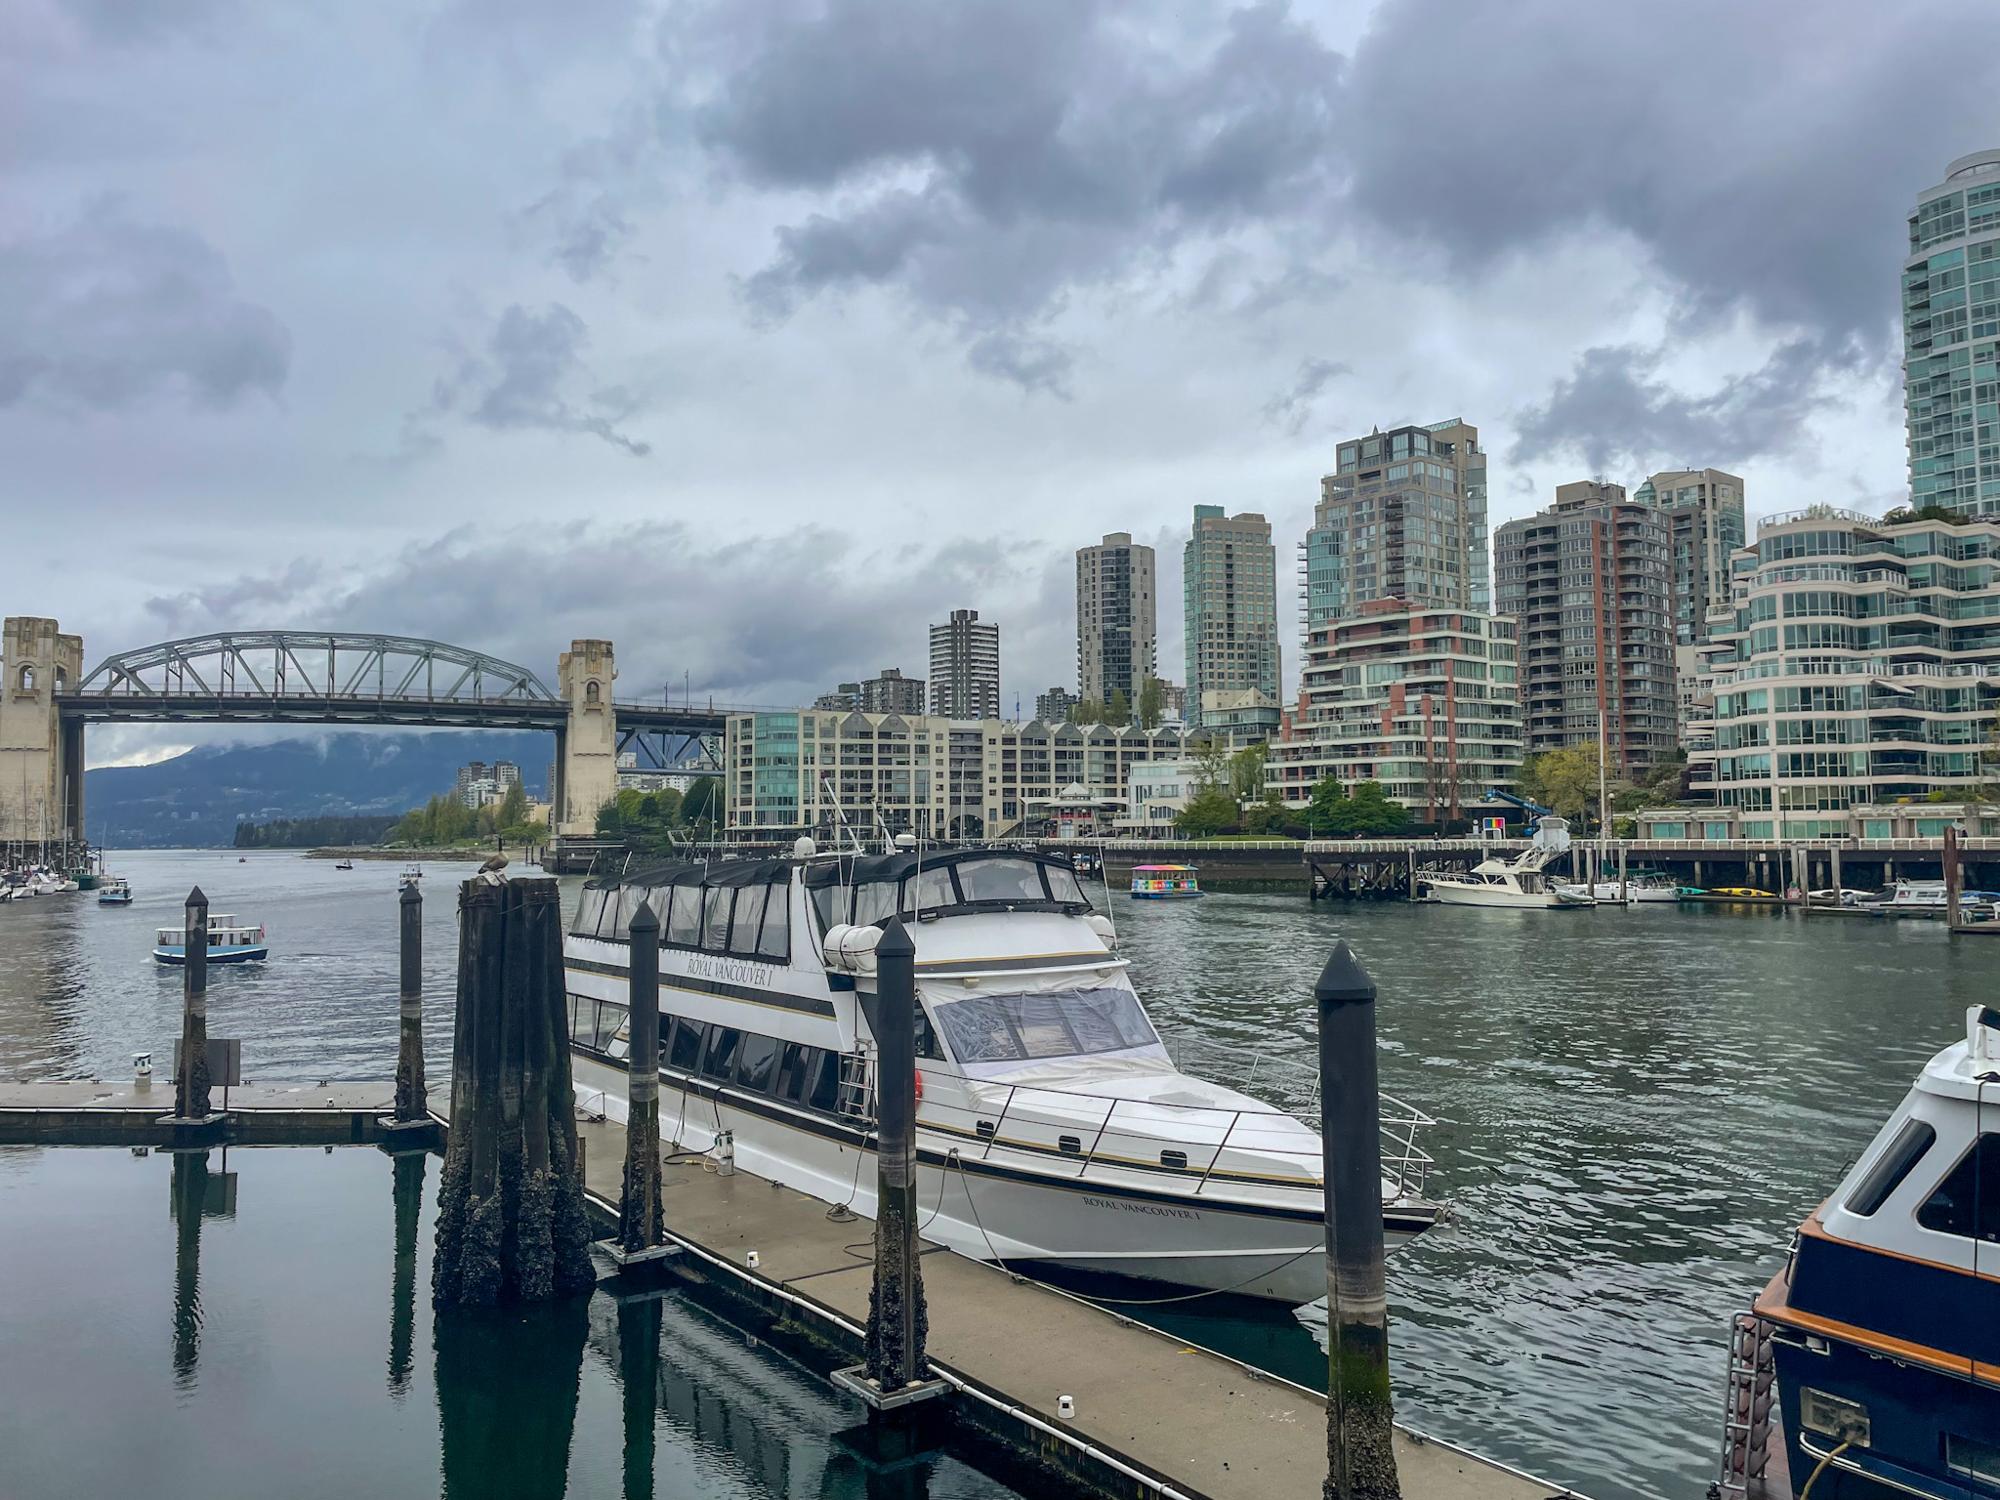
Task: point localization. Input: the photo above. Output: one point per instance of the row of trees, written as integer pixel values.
(446, 820)
(312, 833)
(652, 822)
(1571, 780)
(1119, 710)
(1230, 796)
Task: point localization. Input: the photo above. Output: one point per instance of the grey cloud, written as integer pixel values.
(145, 22)
(520, 381)
(248, 602)
(1031, 363)
(109, 311)
(1613, 407)
(1763, 156)
(1292, 408)
(990, 157)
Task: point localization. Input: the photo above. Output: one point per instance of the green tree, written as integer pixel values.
(1210, 810)
(1267, 814)
(1118, 712)
(1152, 703)
(1566, 780)
(1086, 711)
(1326, 812)
(1211, 763)
(1246, 771)
(1371, 811)
(703, 802)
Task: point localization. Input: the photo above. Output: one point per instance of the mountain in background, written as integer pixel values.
(197, 799)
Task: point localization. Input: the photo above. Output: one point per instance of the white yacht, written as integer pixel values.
(1519, 881)
(1056, 1132)
(1648, 886)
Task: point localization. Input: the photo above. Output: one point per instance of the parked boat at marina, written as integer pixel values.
(1516, 882)
(1925, 898)
(1733, 895)
(115, 890)
(410, 876)
(1886, 1316)
(1164, 883)
(1644, 886)
(229, 942)
(1056, 1130)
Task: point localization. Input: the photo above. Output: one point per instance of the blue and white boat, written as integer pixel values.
(115, 890)
(229, 942)
(1885, 1324)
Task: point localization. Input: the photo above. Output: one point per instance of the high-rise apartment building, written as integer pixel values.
(1861, 671)
(1230, 614)
(1403, 516)
(1053, 706)
(965, 667)
(479, 783)
(1951, 340)
(1703, 509)
(1588, 583)
(1418, 698)
(1117, 619)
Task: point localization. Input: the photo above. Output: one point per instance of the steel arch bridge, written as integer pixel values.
(315, 677)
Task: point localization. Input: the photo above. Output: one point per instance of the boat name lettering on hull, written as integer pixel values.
(1141, 1208)
(732, 970)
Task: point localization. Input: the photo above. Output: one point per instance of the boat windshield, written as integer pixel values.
(1063, 1023)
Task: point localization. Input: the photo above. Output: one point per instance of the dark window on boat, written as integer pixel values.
(1972, 1457)
(825, 1095)
(774, 939)
(685, 1052)
(609, 1018)
(1070, 1145)
(830, 901)
(754, 1060)
(715, 919)
(575, 1000)
(1967, 1202)
(749, 914)
(984, 1129)
(927, 1042)
(1894, 1164)
(684, 916)
(1175, 1159)
(792, 1062)
(721, 1059)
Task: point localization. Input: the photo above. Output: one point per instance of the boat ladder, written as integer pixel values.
(856, 1100)
(1746, 1412)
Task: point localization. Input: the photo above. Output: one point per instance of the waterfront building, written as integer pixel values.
(1239, 717)
(1588, 583)
(1703, 511)
(1230, 614)
(1403, 516)
(1420, 698)
(846, 696)
(1862, 668)
(479, 783)
(1156, 793)
(1053, 706)
(1173, 703)
(1951, 340)
(965, 667)
(1117, 619)
(889, 693)
(812, 772)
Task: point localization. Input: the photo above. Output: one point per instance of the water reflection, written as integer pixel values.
(507, 1382)
(186, 1194)
(408, 1190)
(639, 1324)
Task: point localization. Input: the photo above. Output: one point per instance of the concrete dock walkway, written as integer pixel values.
(1154, 1415)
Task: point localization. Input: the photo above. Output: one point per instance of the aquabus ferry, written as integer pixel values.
(1056, 1132)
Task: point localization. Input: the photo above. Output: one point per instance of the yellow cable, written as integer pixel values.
(1806, 1493)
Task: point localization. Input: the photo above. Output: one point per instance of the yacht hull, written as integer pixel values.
(1462, 895)
(998, 1207)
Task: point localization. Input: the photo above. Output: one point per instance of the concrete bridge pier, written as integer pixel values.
(41, 756)
(587, 747)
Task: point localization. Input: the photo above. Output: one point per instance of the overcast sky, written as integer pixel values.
(754, 335)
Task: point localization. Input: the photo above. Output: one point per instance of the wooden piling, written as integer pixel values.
(1954, 881)
(191, 1073)
(412, 1097)
(511, 1225)
(640, 1223)
(898, 1321)
(1361, 1463)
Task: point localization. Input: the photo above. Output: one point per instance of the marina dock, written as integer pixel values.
(1154, 1415)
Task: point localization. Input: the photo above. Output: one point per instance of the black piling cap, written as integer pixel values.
(196, 898)
(895, 941)
(643, 919)
(411, 895)
(1343, 981)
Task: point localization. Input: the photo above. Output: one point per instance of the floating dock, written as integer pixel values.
(1154, 1415)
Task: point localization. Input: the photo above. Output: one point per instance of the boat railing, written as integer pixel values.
(1191, 1139)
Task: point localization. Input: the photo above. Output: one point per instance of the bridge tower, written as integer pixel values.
(41, 757)
(587, 747)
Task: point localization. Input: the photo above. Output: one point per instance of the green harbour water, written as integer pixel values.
(1635, 1109)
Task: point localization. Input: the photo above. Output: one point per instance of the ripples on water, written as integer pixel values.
(1636, 1107)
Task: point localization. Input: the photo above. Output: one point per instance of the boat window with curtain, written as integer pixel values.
(683, 924)
(774, 939)
(749, 916)
(715, 905)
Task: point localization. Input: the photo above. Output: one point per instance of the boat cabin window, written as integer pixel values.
(749, 917)
(684, 916)
(722, 1044)
(684, 1052)
(1008, 1028)
(715, 906)
(1894, 1164)
(1967, 1202)
(754, 1060)
(774, 938)
(792, 1060)
(825, 1094)
(1001, 880)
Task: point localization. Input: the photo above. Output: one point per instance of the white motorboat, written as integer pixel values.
(1516, 882)
(1056, 1132)
(1648, 887)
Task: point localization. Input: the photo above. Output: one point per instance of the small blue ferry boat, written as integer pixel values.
(115, 891)
(1885, 1325)
(1164, 883)
(229, 942)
